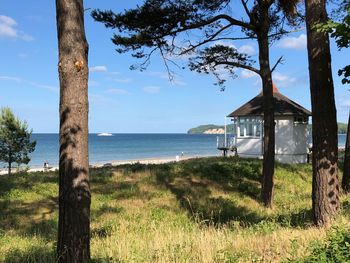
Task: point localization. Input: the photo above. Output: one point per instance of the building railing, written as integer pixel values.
(228, 143)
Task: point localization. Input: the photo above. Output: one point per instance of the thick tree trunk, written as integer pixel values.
(325, 183)
(346, 173)
(269, 120)
(9, 168)
(74, 192)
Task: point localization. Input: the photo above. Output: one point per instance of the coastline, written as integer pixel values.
(158, 160)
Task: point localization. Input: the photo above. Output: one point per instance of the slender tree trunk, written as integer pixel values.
(74, 191)
(9, 167)
(267, 183)
(346, 173)
(325, 183)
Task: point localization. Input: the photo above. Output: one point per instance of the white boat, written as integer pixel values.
(104, 134)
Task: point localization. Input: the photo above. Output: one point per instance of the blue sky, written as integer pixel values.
(125, 101)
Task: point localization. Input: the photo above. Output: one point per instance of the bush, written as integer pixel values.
(334, 250)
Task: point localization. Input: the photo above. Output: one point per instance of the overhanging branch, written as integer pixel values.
(280, 60)
(238, 65)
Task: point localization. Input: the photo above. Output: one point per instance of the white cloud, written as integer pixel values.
(294, 42)
(43, 86)
(151, 89)
(22, 55)
(247, 74)
(8, 29)
(159, 74)
(98, 69)
(247, 49)
(31, 83)
(123, 80)
(178, 82)
(26, 37)
(7, 20)
(117, 91)
(10, 78)
(224, 43)
(282, 80)
(100, 100)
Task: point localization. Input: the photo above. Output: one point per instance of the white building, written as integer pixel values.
(291, 120)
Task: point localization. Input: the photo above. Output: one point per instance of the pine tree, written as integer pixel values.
(15, 142)
(325, 183)
(163, 24)
(74, 191)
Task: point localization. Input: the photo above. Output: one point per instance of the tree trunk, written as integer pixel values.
(74, 191)
(10, 167)
(269, 120)
(346, 173)
(325, 183)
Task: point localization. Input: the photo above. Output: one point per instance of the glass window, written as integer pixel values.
(241, 130)
(258, 129)
(249, 129)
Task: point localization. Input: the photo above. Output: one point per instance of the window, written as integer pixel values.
(241, 130)
(249, 127)
(301, 119)
(249, 130)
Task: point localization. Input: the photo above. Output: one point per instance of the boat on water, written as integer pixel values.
(104, 134)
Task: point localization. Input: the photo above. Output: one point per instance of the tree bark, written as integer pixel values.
(325, 183)
(74, 191)
(267, 183)
(346, 172)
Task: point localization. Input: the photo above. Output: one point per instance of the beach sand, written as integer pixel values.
(159, 160)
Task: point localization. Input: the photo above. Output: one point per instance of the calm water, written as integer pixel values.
(128, 147)
(133, 147)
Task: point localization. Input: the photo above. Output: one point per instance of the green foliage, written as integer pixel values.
(201, 210)
(164, 25)
(15, 143)
(340, 31)
(334, 250)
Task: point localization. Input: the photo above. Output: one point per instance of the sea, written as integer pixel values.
(133, 147)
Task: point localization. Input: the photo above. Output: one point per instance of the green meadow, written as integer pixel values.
(199, 210)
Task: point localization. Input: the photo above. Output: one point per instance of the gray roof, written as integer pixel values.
(283, 107)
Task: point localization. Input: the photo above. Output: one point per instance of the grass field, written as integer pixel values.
(200, 210)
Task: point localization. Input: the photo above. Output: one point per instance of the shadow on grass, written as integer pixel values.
(105, 260)
(126, 188)
(196, 184)
(192, 182)
(35, 218)
(34, 254)
(302, 219)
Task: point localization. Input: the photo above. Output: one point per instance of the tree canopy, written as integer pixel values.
(340, 31)
(166, 25)
(15, 142)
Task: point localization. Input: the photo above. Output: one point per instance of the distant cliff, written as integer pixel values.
(220, 129)
(211, 129)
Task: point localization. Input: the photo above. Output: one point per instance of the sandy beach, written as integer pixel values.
(159, 160)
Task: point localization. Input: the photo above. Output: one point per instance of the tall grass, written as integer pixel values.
(200, 210)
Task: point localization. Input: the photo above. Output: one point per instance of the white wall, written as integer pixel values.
(290, 142)
(249, 147)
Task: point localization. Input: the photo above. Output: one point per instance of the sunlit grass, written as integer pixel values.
(201, 210)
